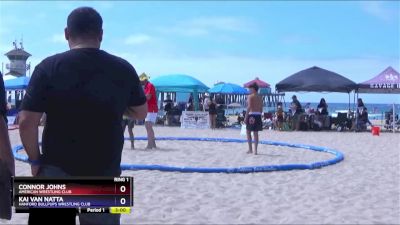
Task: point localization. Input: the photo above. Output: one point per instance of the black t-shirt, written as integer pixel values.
(362, 113)
(324, 110)
(212, 109)
(298, 106)
(84, 93)
(168, 105)
(3, 102)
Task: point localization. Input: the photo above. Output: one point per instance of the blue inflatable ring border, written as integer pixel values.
(247, 169)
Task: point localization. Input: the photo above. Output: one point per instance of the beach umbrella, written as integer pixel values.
(265, 88)
(228, 88)
(260, 83)
(179, 83)
(9, 77)
(17, 83)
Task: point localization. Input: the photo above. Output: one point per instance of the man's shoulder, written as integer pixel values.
(118, 59)
(71, 53)
(111, 59)
(51, 58)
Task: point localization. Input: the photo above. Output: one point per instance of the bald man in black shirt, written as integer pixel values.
(84, 93)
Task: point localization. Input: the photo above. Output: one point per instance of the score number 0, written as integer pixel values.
(122, 200)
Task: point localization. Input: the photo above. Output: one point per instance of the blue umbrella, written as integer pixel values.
(178, 83)
(17, 83)
(228, 88)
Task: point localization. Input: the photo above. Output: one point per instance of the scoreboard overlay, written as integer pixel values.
(85, 194)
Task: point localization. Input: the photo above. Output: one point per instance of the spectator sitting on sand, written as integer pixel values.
(362, 115)
(241, 116)
(168, 104)
(363, 119)
(307, 108)
(322, 107)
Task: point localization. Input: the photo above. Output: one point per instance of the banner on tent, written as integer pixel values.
(384, 86)
(195, 119)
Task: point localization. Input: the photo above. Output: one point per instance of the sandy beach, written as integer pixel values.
(362, 189)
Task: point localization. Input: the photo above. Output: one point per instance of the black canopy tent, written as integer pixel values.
(316, 79)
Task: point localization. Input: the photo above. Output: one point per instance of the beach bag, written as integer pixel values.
(243, 131)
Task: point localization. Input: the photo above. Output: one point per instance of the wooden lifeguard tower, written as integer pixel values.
(17, 56)
(17, 71)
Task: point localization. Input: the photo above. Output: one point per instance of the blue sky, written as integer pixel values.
(225, 41)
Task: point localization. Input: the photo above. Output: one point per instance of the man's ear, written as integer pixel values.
(101, 35)
(66, 34)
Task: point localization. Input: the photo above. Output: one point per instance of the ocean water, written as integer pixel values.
(375, 111)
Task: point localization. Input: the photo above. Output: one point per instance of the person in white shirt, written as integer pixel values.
(206, 102)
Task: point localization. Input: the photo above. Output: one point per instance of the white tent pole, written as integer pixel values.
(356, 114)
(349, 100)
(354, 104)
(394, 118)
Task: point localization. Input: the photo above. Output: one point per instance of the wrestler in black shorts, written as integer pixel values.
(254, 122)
